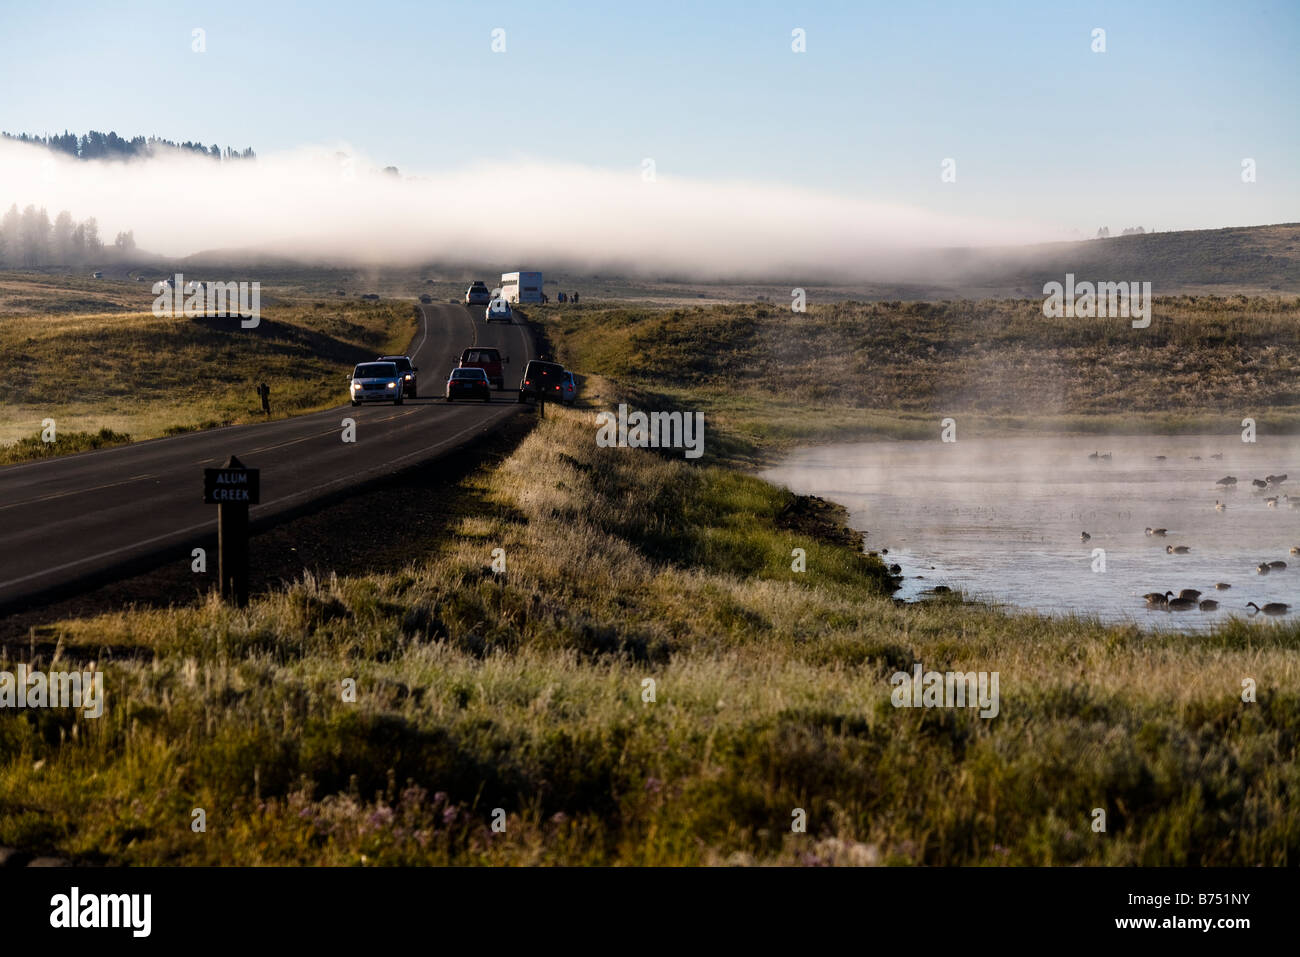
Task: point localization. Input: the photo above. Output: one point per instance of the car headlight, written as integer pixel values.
(408, 377)
(392, 385)
(355, 386)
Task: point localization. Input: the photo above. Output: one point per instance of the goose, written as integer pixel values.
(1277, 566)
(1217, 455)
(1275, 479)
(1084, 537)
(1106, 457)
(1181, 604)
(1177, 549)
(1189, 593)
(1209, 604)
(1159, 458)
(1194, 458)
(1227, 480)
(1262, 568)
(1095, 455)
(1259, 483)
(1271, 502)
(1220, 506)
(1222, 586)
(1157, 531)
(1154, 598)
(1295, 549)
(1272, 608)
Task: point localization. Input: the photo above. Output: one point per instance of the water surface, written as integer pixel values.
(1001, 519)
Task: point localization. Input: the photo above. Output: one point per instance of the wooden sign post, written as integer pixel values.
(232, 488)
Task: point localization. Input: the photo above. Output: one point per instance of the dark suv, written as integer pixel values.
(406, 370)
(542, 379)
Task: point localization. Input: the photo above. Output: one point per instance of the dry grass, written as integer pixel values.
(99, 359)
(852, 369)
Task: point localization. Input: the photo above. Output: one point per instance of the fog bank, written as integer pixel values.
(332, 204)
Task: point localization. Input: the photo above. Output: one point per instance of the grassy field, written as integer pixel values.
(772, 377)
(92, 356)
(526, 691)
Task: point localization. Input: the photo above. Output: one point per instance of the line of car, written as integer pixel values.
(482, 367)
(478, 370)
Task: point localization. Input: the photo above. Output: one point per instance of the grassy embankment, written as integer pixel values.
(524, 691)
(91, 355)
(771, 377)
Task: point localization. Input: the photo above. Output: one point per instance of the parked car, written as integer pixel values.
(406, 370)
(370, 295)
(469, 384)
(477, 294)
(498, 310)
(425, 298)
(376, 382)
(487, 359)
(542, 379)
(568, 388)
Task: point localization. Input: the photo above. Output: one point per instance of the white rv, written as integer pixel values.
(521, 286)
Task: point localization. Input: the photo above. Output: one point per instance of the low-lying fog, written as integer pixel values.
(332, 204)
(1002, 519)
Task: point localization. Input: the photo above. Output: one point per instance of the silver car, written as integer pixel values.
(376, 382)
(498, 310)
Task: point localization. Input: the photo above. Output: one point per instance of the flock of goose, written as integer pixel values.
(1190, 598)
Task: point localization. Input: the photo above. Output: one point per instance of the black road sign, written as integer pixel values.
(231, 486)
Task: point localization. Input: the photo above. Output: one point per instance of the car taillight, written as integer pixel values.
(526, 382)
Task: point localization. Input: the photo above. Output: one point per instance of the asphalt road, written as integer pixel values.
(77, 518)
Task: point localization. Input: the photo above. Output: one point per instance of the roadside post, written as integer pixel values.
(232, 488)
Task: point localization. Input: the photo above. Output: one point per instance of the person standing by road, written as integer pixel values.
(264, 393)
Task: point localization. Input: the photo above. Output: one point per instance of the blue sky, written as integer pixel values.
(1152, 132)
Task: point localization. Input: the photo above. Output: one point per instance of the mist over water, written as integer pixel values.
(1001, 519)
